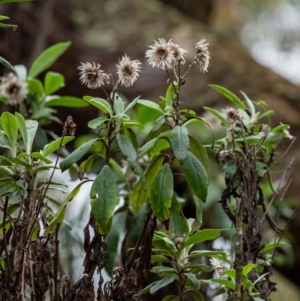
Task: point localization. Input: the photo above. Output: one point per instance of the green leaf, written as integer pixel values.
(139, 194)
(179, 223)
(6, 64)
(271, 246)
(225, 282)
(39, 156)
(214, 254)
(93, 124)
(146, 147)
(35, 88)
(159, 122)
(118, 104)
(202, 235)
(9, 124)
(250, 104)
(12, 26)
(162, 283)
(229, 95)
(77, 154)
(151, 105)
(199, 151)
(132, 104)
(160, 258)
(196, 295)
(191, 282)
(161, 193)
(126, 147)
(196, 176)
(180, 141)
(171, 94)
(53, 82)
(248, 268)
(217, 114)
(170, 298)
(21, 72)
(99, 103)
(266, 114)
(132, 123)
(56, 144)
(47, 58)
(60, 214)
(28, 130)
(104, 195)
(112, 240)
(65, 101)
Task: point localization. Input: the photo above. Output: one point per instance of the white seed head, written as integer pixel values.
(160, 55)
(13, 89)
(128, 70)
(219, 266)
(203, 57)
(179, 54)
(92, 76)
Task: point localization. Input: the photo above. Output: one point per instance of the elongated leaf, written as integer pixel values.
(271, 246)
(150, 104)
(196, 176)
(10, 126)
(179, 223)
(118, 105)
(170, 298)
(47, 58)
(132, 123)
(39, 156)
(99, 103)
(53, 82)
(21, 72)
(60, 214)
(199, 151)
(161, 193)
(266, 114)
(77, 154)
(250, 104)
(248, 268)
(159, 122)
(225, 282)
(180, 141)
(126, 147)
(202, 235)
(112, 240)
(93, 124)
(229, 95)
(214, 254)
(104, 197)
(156, 285)
(192, 282)
(23, 129)
(171, 94)
(217, 114)
(5, 63)
(132, 104)
(65, 101)
(56, 144)
(140, 194)
(146, 147)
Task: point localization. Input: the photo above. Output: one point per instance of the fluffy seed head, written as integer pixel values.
(92, 76)
(128, 70)
(178, 53)
(203, 57)
(218, 265)
(160, 55)
(13, 89)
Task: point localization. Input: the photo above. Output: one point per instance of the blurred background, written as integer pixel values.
(254, 46)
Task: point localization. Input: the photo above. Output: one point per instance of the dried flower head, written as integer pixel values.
(232, 115)
(203, 57)
(128, 70)
(160, 55)
(179, 54)
(13, 89)
(219, 266)
(92, 76)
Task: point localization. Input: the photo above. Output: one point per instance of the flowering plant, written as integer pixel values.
(135, 186)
